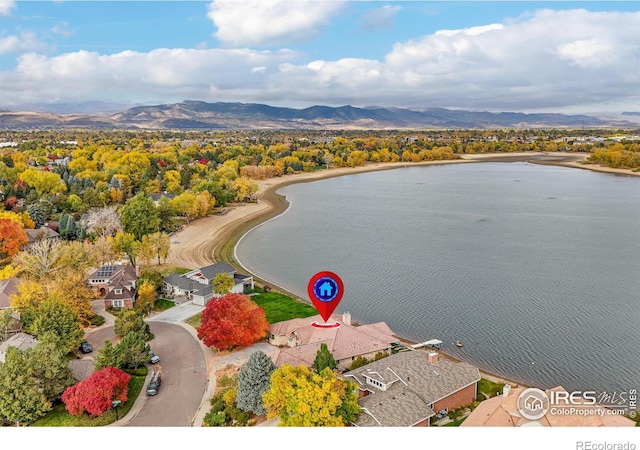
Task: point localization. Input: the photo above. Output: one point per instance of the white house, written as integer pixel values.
(197, 284)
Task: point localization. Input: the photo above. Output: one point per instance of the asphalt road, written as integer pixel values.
(184, 375)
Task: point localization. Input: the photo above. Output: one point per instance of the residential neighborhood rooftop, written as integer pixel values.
(300, 340)
(404, 387)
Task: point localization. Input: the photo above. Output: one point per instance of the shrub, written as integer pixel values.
(97, 320)
(359, 362)
(215, 419)
(229, 397)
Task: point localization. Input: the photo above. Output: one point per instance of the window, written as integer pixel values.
(117, 291)
(117, 303)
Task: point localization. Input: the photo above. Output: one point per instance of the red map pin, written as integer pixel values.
(325, 291)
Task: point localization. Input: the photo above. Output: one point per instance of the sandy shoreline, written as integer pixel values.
(213, 239)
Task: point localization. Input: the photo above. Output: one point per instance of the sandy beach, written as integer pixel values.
(211, 239)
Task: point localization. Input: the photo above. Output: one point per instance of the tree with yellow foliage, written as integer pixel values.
(244, 188)
(45, 183)
(302, 398)
(146, 297)
(68, 288)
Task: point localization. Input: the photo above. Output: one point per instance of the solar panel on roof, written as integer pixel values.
(106, 271)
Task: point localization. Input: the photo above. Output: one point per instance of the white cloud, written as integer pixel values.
(6, 6)
(550, 60)
(270, 22)
(381, 18)
(25, 42)
(171, 74)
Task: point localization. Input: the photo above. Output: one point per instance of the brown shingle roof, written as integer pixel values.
(7, 288)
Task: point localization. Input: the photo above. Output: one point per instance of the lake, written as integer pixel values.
(534, 268)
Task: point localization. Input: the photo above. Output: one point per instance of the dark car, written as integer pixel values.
(85, 347)
(154, 384)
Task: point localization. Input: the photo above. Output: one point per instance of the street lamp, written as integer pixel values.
(115, 404)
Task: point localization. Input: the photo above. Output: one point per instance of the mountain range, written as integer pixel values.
(201, 115)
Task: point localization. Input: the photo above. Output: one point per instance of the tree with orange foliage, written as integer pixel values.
(12, 237)
(232, 320)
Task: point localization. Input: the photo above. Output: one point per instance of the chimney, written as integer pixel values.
(506, 390)
(346, 318)
(137, 271)
(433, 357)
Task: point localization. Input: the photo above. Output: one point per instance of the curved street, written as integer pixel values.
(184, 376)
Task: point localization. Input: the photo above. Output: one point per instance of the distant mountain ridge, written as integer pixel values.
(191, 114)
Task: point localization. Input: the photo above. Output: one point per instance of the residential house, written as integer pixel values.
(502, 411)
(299, 341)
(41, 233)
(197, 284)
(156, 197)
(8, 288)
(21, 341)
(408, 388)
(117, 284)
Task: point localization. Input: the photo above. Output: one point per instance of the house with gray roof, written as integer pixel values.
(8, 288)
(408, 388)
(36, 235)
(21, 341)
(197, 284)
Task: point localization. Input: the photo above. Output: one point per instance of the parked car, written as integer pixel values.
(154, 359)
(85, 347)
(154, 384)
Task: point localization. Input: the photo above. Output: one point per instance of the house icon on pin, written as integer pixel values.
(326, 289)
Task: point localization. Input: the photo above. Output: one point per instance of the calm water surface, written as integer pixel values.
(534, 268)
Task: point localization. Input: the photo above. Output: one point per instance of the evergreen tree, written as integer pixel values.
(253, 381)
(55, 316)
(324, 359)
(63, 226)
(107, 357)
(50, 366)
(133, 351)
(36, 214)
(21, 398)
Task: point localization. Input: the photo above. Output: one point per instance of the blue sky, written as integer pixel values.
(497, 56)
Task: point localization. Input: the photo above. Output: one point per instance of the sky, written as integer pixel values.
(553, 56)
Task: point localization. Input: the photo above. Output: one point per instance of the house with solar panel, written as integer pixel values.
(117, 285)
(197, 284)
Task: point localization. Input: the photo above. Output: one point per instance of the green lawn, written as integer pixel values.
(279, 307)
(162, 304)
(59, 417)
(489, 387)
(194, 321)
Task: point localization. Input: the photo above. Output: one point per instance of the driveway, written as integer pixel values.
(179, 313)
